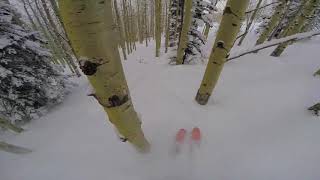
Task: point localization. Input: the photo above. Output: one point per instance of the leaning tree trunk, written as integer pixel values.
(158, 26)
(252, 18)
(90, 27)
(183, 41)
(232, 18)
(56, 56)
(152, 18)
(168, 18)
(277, 15)
(206, 31)
(296, 25)
(146, 22)
(120, 30)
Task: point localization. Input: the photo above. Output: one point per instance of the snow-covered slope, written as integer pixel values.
(255, 127)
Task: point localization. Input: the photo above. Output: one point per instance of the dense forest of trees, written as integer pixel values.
(53, 40)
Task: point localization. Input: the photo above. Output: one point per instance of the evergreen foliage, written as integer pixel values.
(202, 13)
(29, 81)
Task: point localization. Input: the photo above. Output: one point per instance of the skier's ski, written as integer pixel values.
(180, 140)
(195, 138)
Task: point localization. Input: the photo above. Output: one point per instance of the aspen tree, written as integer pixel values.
(146, 33)
(297, 24)
(277, 15)
(52, 37)
(132, 28)
(158, 8)
(128, 22)
(292, 10)
(152, 19)
(173, 23)
(202, 12)
(163, 17)
(140, 22)
(55, 8)
(252, 18)
(168, 18)
(125, 26)
(230, 25)
(56, 56)
(206, 31)
(66, 43)
(63, 48)
(184, 32)
(120, 30)
(33, 24)
(91, 29)
(49, 16)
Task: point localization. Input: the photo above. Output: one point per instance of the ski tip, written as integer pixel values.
(196, 134)
(181, 134)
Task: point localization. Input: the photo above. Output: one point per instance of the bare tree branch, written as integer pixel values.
(296, 37)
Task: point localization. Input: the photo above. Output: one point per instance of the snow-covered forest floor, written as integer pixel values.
(255, 127)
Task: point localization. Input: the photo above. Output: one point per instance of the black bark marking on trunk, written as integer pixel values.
(115, 100)
(88, 68)
(228, 10)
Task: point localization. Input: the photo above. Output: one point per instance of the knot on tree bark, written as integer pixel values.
(228, 10)
(220, 44)
(88, 68)
(115, 100)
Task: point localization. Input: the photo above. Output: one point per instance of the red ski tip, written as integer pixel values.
(196, 134)
(180, 136)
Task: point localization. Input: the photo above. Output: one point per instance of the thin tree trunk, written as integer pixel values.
(184, 32)
(152, 19)
(206, 31)
(168, 18)
(232, 18)
(120, 30)
(279, 12)
(126, 25)
(65, 38)
(295, 26)
(58, 39)
(133, 34)
(146, 33)
(90, 27)
(140, 22)
(56, 56)
(158, 9)
(252, 18)
(33, 24)
(52, 36)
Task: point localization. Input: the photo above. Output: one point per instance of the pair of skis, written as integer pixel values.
(183, 137)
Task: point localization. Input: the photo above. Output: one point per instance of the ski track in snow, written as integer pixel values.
(255, 125)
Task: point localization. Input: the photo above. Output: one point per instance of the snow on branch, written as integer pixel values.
(275, 42)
